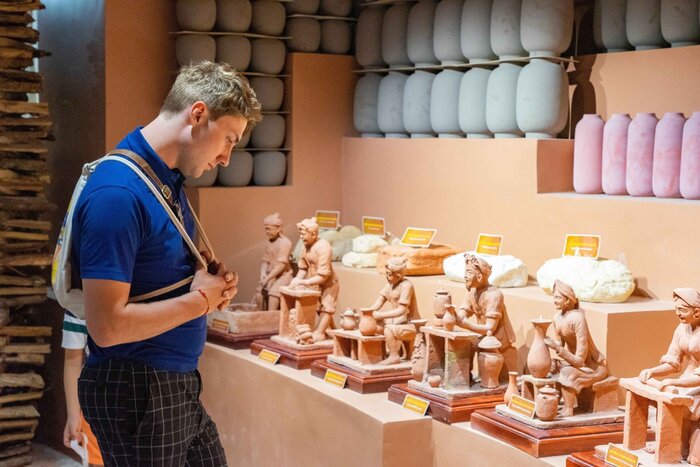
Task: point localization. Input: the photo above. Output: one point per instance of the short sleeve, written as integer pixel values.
(284, 249)
(406, 295)
(386, 292)
(325, 257)
(110, 233)
(74, 332)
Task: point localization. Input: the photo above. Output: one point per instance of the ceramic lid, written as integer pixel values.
(349, 312)
(549, 390)
(489, 342)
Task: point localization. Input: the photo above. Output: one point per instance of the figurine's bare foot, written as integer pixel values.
(649, 448)
(391, 360)
(319, 336)
(567, 412)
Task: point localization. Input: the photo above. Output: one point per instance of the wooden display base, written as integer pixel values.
(443, 409)
(297, 359)
(361, 382)
(584, 459)
(541, 443)
(235, 340)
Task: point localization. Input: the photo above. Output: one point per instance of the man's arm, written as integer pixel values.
(111, 320)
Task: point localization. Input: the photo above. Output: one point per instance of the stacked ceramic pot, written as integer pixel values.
(643, 156)
(247, 34)
(320, 26)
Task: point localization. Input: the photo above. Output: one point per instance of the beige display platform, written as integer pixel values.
(277, 416)
(612, 326)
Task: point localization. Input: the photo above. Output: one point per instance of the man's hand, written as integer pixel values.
(219, 288)
(73, 430)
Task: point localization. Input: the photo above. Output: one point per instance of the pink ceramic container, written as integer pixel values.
(667, 155)
(615, 154)
(588, 149)
(690, 158)
(640, 154)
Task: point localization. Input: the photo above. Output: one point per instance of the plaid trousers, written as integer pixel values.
(147, 417)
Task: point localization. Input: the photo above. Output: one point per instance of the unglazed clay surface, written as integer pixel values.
(506, 270)
(275, 269)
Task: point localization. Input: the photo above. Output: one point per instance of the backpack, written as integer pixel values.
(70, 295)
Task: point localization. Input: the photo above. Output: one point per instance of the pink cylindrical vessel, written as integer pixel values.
(640, 154)
(615, 154)
(690, 158)
(588, 152)
(667, 156)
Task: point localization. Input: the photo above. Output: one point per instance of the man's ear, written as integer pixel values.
(198, 113)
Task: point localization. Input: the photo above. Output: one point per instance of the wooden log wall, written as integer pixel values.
(25, 255)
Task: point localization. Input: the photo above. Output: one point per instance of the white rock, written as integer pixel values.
(593, 280)
(340, 240)
(367, 244)
(349, 231)
(506, 270)
(360, 260)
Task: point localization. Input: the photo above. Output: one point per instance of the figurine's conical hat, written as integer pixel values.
(564, 289)
(688, 295)
(273, 219)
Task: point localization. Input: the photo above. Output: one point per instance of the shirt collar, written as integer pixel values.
(137, 143)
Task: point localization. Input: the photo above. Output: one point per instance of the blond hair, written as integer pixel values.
(224, 90)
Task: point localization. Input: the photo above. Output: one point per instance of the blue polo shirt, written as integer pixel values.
(122, 233)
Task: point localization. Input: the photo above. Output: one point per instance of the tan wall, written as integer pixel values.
(320, 100)
(139, 63)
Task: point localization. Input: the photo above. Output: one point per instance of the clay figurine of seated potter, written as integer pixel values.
(316, 271)
(577, 363)
(275, 270)
(399, 293)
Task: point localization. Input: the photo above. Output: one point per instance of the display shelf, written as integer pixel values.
(613, 326)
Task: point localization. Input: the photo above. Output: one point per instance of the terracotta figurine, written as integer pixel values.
(275, 270)
(577, 363)
(401, 296)
(316, 271)
(486, 303)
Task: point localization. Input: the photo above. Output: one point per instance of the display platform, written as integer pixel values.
(295, 358)
(584, 459)
(235, 340)
(443, 409)
(363, 383)
(538, 442)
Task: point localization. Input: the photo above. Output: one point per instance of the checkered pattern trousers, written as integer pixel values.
(147, 417)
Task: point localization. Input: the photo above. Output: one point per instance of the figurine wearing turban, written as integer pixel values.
(578, 363)
(275, 270)
(401, 296)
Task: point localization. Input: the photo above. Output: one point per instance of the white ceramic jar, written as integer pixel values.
(270, 92)
(505, 29)
(472, 103)
(501, 101)
(368, 37)
(336, 36)
(444, 104)
(446, 32)
(542, 99)
(609, 29)
(546, 26)
(394, 33)
(416, 104)
(365, 106)
(643, 24)
(239, 171)
(390, 105)
(269, 168)
(419, 40)
(269, 17)
(234, 50)
(475, 31)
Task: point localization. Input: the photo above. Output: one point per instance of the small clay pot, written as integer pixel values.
(434, 380)
(490, 361)
(512, 387)
(449, 319)
(368, 325)
(546, 403)
(349, 320)
(441, 298)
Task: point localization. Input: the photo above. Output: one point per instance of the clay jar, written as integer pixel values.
(609, 25)
(546, 403)
(501, 100)
(667, 155)
(419, 39)
(446, 32)
(512, 387)
(690, 158)
(416, 104)
(365, 105)
(538, 359)
(546, 26)
(505, 29)
(368, 37)
(348, 320)
(490, 361)
(615, 154)
(588, 153)
(679, 22)
(390, 105)
(475, 31)
(640, 154)
(643, 24)
(368, 325)
(444, 104)
(233, 15)
(472, 103)
(542, 99)
(441, 298)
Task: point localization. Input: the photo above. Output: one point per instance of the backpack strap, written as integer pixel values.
(163, 194)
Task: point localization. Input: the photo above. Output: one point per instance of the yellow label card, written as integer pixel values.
(587, 246)
(219, 324)
(373, 226)
(269, 356)
(328, 219)
(620, 457)
(522, 406)
(489, 244)
(415, 236)
(335, 378)
(415, 404)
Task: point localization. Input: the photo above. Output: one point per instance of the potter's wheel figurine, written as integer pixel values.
(316, 271)
(275, 270)
(401, 296)
(577, 363)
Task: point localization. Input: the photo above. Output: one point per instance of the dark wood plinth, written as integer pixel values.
(584, 459)
(541, 443)
(297, 359)
(361, 382)
(235, 340)
(443, 409)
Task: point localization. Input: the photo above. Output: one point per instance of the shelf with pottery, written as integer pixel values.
(465, 65)
(251, 400)
(611, 324)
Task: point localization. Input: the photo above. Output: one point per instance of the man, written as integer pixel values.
(401, 296)
(316, 270)
(140, 387)
(275, 270)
